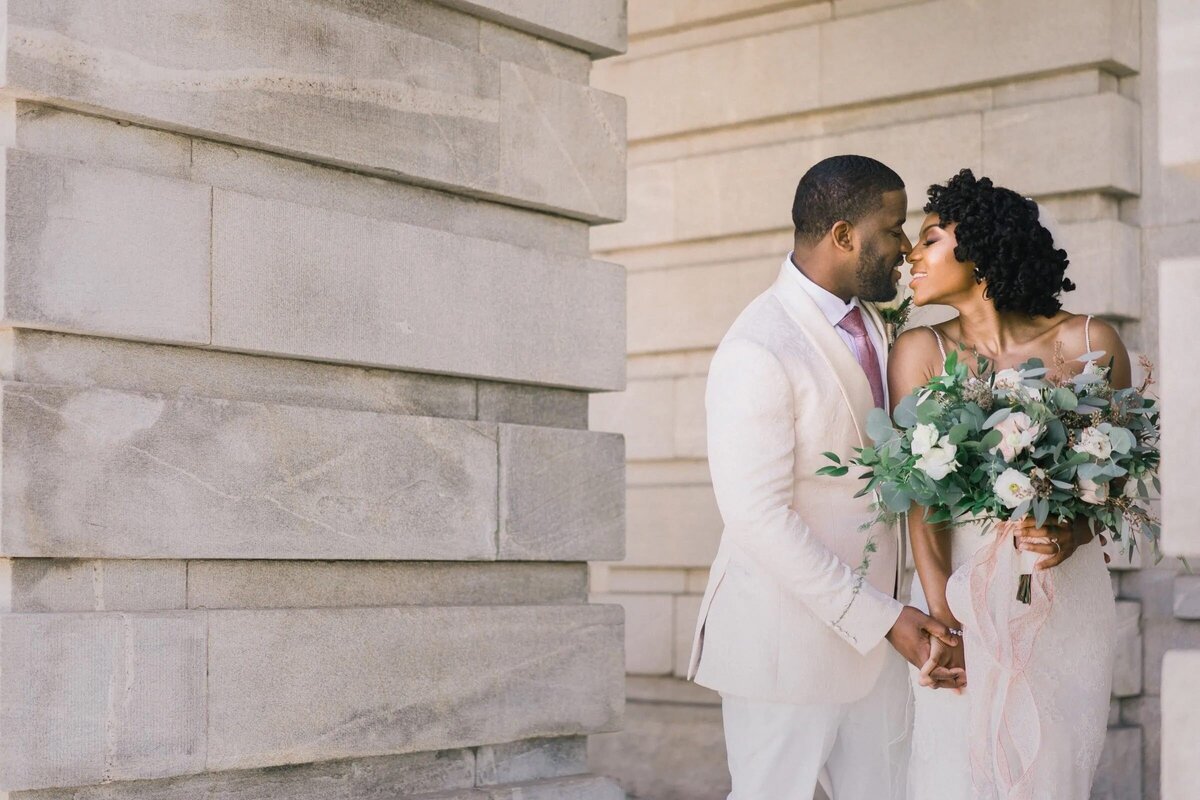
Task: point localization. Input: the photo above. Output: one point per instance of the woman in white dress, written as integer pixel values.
(1031, 720)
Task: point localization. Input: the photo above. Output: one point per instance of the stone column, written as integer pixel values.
(296, 486)
(1178, 118)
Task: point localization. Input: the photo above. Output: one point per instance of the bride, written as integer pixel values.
(1031, 720)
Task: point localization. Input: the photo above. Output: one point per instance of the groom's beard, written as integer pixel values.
(874, 275)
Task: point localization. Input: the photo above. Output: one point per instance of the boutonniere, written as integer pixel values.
(895, 317)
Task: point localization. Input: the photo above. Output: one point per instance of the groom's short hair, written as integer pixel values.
(840, 188)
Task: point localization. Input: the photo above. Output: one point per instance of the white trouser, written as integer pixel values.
(858, 751)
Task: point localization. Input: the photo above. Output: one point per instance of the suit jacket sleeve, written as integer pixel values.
(751, 454)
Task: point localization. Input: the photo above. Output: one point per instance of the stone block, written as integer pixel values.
(650, 210)
(687, 610)
(644, 413)
(1180, 725)
(1127, 669)
(1119, 775)
(87, 698)
(488, 675)
(672, 526)
(666, 751)
(60, 585)
(562, 495)
(726, 27)
(410, 298)
(100, 250)
(562, 145)
(532, 405)
(598, 28)
(508, 44)
(1179, 388)
(97, 473)
(849, 8)
(648, 626)
(985, 42)
(1178, 76)
(56, 132)
(338, 584)
(1026, 91)
(381, 777)
(1101, 254)
(1158, 638)
(1187, 597)
(32, 356)
(664, 15)
(1069, 145)
(267, 175)
(674, 92)
(537, 759)
(697, 581)
(692, 307)
(368, 95)
(646, 581)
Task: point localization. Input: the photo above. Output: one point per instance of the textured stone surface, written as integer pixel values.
(1127, 669)
(666, 751)
(100, 697)
(983, 42)
(1178, 75)
(1187, 597)
(597, 27)
(562, 494)
(1180, 725)
(648, 626)
(39, 357)
(1119, 776)
(672, 526)
(102, 473)
(1179, 388)
(487, 675)
(1101, 252)
(313, 584)
(663, 15)
(409, 297)
(530, 760)
(534, 52)
(381, 778)
(646, 581)
(1096, 144)
(44, 584)
(580, 788)
(644, 413)
(369, 94)
(532, 405)
(101, 250)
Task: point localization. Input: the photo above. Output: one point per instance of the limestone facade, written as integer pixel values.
(299, 325)
(730, 101)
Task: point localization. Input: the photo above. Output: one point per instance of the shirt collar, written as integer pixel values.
(830, 304)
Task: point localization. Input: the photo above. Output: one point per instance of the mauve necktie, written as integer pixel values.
(864, 351)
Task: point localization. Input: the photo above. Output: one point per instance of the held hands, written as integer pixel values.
(946, 667)
(911, 636)
(1056, 541)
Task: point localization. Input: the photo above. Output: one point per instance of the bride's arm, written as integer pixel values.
(912, 362)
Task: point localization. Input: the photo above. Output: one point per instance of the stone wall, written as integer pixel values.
(729, 102)
(299, 324)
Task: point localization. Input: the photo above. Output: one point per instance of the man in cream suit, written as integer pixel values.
(805, 638)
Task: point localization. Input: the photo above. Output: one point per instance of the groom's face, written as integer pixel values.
(882, 248)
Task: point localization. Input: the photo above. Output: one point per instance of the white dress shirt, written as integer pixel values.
(835, 310)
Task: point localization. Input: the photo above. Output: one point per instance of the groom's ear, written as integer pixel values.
(842, 234)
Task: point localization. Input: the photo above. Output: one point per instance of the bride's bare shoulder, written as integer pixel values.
(913, 359)
(916, 342)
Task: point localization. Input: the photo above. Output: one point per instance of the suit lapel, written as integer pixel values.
(852, 381)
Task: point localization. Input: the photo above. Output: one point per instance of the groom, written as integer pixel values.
(801, 598)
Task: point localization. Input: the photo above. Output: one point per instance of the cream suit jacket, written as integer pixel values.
(789, 614)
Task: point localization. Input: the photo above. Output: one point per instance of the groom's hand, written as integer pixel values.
(911, 633)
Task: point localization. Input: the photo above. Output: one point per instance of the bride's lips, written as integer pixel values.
(916, 276)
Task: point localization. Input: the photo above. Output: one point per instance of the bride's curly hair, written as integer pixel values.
(998, 230)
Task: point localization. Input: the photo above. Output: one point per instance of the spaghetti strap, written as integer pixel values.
(938, 336)
(1087, 333)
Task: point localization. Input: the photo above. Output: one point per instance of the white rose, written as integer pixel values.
(1013, 488)
(1094, 442)
(1007, 380)
(923, 438)
(1092, 492)
(1018, 432)
(939, 461)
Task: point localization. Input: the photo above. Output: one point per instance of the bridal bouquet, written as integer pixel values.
(1014, 443)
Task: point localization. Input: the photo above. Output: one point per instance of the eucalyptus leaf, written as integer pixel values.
(832, 457)
(996, 418)
(1065, 399)
(895, 498)
(879, 426)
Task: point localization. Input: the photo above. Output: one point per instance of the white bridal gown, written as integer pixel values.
(1031, 723)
